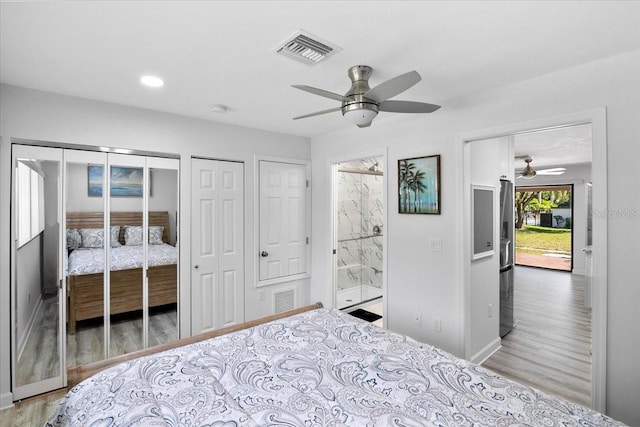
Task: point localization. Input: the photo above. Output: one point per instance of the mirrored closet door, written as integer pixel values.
(37, 297)
(84, 210)
(109, 242)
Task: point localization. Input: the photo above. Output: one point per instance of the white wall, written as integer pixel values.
(35, 115)
(485, 272)
(29, 273)
(431, 281)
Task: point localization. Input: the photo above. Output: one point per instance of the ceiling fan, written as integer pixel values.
(528, 172)
(360, 105)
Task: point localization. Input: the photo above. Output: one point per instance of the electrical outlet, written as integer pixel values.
(490, 310)
(436, 324)
(436, 245)
(417, 319)
(261, 296)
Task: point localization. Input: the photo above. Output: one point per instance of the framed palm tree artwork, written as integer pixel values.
(419, 185)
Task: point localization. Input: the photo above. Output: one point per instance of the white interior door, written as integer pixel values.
(283, 213)
(217, 250)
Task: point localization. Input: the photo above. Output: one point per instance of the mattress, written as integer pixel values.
(88, 261)
(318, 368)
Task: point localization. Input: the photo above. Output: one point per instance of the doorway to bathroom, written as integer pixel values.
(359, 232)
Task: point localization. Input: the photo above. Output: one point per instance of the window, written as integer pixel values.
(30, 201)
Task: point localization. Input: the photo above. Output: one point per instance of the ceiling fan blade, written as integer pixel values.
(393, 87)
(407, 107)
(552, 171)
(317, 113)
(321, 92)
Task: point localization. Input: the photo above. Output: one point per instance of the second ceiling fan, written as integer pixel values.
(360, 105)
(528, 172)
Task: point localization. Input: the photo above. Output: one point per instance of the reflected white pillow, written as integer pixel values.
(74, 239)
(115, 234)
(92, 237)
(132, 235)
(155, 234)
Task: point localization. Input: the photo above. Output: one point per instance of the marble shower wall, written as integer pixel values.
(359, 210)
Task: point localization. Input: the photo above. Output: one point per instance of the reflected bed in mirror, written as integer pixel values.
(85, 277)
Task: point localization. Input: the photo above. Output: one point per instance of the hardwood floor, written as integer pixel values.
(550, 347)
(40, 357)
(31, 412)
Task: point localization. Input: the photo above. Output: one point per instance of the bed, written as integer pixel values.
(84, 266)
(320, 367)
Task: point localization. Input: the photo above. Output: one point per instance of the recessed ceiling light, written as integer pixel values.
(151, 81)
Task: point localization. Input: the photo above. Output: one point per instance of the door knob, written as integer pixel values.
(196, 266)
(264, 254)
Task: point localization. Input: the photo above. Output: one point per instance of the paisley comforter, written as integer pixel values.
(319, 368)
(88, 261)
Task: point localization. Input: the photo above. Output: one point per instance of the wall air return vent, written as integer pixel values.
(284, 300)
(306, 48)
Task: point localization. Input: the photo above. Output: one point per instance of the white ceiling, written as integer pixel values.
(560, 147)
(222, 52)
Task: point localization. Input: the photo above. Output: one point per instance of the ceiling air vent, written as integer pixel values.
(306, 48)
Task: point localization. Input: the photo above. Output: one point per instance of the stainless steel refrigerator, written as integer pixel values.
(506, 257)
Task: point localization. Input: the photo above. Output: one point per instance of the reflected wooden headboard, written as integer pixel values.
(95, 220)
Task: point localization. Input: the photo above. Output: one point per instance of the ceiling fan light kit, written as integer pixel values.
(529, 173)
(360, 105)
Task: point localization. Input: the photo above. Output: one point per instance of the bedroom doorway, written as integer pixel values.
(95, 270)
(359, 230)
(595, 121)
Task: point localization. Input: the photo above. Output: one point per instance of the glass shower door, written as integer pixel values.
(359, 216)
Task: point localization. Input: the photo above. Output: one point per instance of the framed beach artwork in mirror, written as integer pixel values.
(125, 181)
(419, 185)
